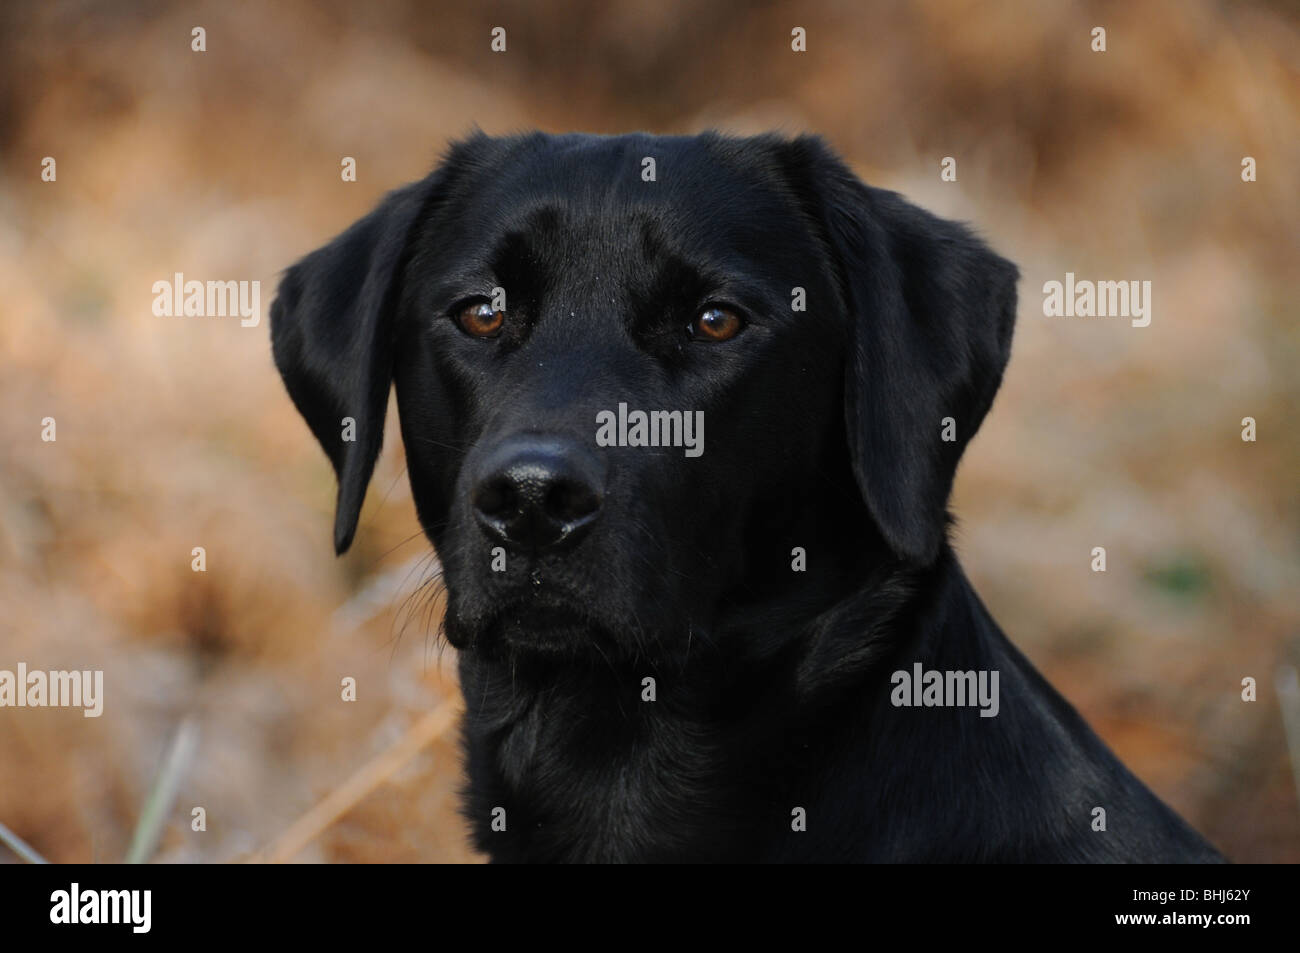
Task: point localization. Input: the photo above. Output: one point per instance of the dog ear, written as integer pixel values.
(332, 337)
(931, 311)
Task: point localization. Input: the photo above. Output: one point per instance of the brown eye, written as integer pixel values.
(480, 321)
(716, 324)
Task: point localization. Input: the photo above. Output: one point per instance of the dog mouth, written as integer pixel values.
(536, 627)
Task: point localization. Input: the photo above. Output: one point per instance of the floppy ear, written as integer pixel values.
(332, 337)
(931, 311)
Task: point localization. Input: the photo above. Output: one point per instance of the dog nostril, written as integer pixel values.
(496, 497)
(570, 501)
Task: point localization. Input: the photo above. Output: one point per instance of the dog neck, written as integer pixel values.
(586, 763)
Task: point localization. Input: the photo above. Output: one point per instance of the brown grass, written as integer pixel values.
(175, 433)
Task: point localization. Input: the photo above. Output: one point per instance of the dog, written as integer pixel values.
(763, 651)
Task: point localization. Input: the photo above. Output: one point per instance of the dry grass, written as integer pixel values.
(175, 433)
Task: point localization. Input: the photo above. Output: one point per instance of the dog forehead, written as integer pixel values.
(585, 183)
(575, 204)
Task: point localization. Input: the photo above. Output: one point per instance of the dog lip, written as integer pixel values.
(544, 627)
(527, 611)
(541, 615)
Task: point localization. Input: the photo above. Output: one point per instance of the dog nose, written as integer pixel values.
(538, 492)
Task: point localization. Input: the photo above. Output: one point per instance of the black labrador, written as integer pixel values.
(749, 641)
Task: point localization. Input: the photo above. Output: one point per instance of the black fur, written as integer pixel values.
(823, 431)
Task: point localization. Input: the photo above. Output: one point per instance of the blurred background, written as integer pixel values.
(176, 432)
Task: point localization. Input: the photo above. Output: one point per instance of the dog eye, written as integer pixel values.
(716, 324)
(480, 321)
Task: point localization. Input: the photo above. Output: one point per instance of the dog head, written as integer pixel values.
(640, 378)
